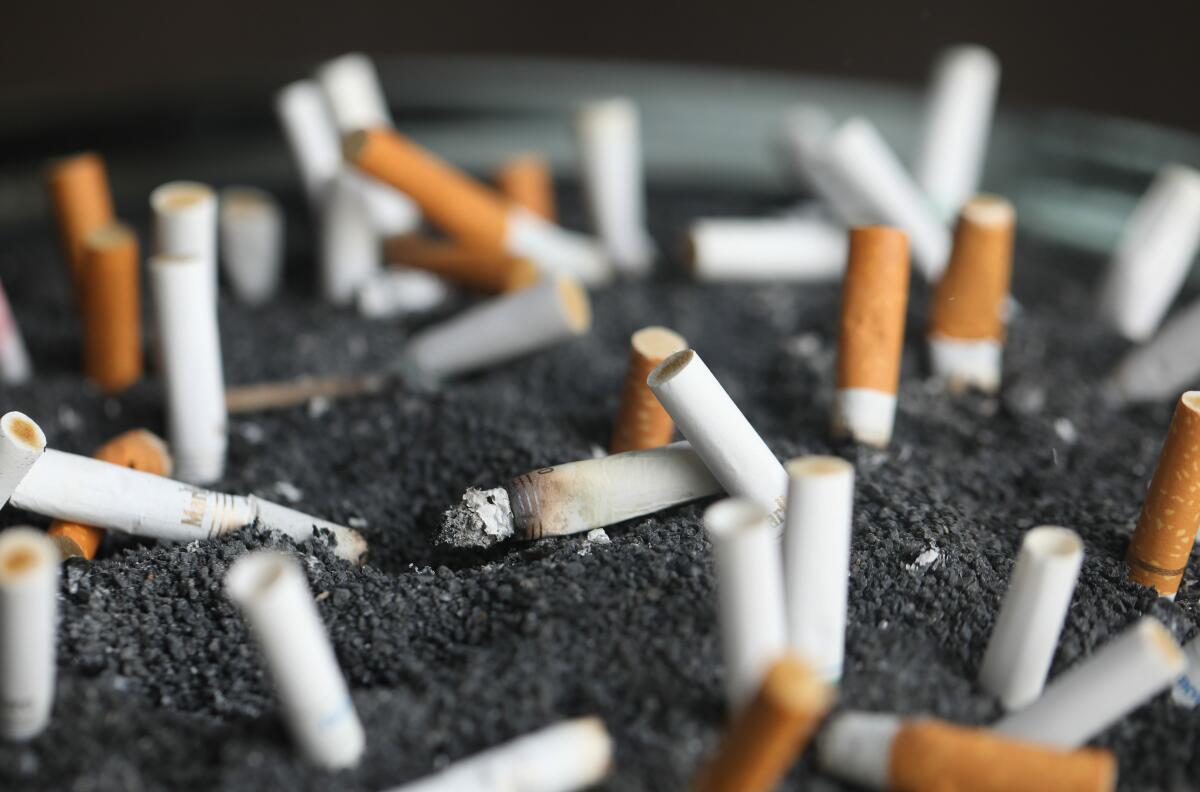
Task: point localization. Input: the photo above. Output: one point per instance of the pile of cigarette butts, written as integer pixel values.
(780, 541)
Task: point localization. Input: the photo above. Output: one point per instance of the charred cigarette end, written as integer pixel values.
(29, 564)
(22, 431)
(347, 543)
(483, 519)
(527, 181)
(641, 421)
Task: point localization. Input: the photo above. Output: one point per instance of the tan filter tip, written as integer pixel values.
(969, 301)
(575, 303)
(874, 302)
(641, 421)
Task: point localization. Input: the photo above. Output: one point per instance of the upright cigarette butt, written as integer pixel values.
(82, 203)
(22, 443)
(527, 181)
(801, 249)
(311, 137)
(966, 326)
(277, 395)
(349, 245)
(641, 421)
(871, 337)
(185, 225)
(472, 268)
(28, 630)
(251, 234)
(353, 92)
(1166, 530)
(15, 366)
(111, 303)
(770, 734)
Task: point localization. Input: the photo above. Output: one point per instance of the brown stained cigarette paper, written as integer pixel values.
(138, 449)
(110, 289)
(769, 735)
(930, 755)
(641, 421)
(969, 300)
(278, 395)
(527, 181)
(453, 201)
(473, 268)
(82, 203)
(874, 301)
(1166, 529)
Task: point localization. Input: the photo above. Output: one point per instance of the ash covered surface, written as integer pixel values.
(449, 652)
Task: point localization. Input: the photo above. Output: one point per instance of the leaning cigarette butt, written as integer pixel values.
(185, 225)
(473, 268)
(1097, 692)
(15, 366)
(503, 328)
(579, 496)
(111, 305)
(471, 212)
(719, 432)
(28, 631)
(353, 93)
(871, 337)
(82, 203)
(116, 498)
(958, 120)
(769, 734)
(138, 449)
(1035, 606)
(966, 325)
(1186, 691)
(912, 755)
(191, 361)
(799, 249)
(311, 136)
(400, 291)
(263, 396)
(1164, 366)
(1154, 254)
(750, 606)
(641, 421)
(527, 181)
(568, 756)
(271, 591)
(816, 559)
(251, 228)
(22, 443)
(805, 129)
(350, 252)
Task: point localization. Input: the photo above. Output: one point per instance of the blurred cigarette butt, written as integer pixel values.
(139, 449)
(966, 328)
(110, 287)
(278, 395)
(768, 736)
(527, 181)
(15, 366)
(641, 421)
(473, 268)
(29, 574)
(82, 203)
(185, 225)
(871, 337)
(22, 443)
(1166, 529)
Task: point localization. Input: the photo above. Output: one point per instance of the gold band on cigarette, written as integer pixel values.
(527, 181)
(82, 203)
(641, 421)
(769, 735)
(874, 301)
(473, 268)
(277, 395)
(110, 301)
(1166, 529)
(969, 300)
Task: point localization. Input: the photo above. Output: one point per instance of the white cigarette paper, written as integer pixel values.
(867, 415)
(958, 119)
(1167, 365)
(191, 358)
(1186, 692)
(353, 93)
(29, 564)
(608, 133)
(1026, 633)
(400, 291)
(82, 490)
(857, 747)
(810, 248)
(816, 557)
(718, 431)
(273, 595)
(555, 249)
(500, 329)
(749, 574)
(806, 130)
(1154, 255)
(1101, 689)
(568, 756)
(351, 253)
(251, 224)
(185, 226)
(15, 367)
(311, 136)
(22, 443)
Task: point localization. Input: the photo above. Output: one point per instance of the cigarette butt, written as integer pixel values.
(111, 305)
(527, 181)
(871, 337)
(22, 443)
(400, 291)
(251, 236)
(472, 268)
(641, 421)
(15, 366)
(82, 203)
(263, 396)
(966, 326)
(311, 137)
(806, 129)
(349, 245)
(800, 249)
(1166, 530)
(29, 572)
(353, 93)
(185, 225)
(1165, 365)
(771, 733)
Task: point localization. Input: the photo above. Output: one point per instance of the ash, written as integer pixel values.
(484, 518)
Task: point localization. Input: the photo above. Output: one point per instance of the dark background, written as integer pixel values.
(1132, 59)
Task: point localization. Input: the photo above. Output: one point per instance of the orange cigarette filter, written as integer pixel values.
(138, 449)
(82, 203)
(527, 181)
(969, 300)
(874, 301)
(473, 268)
(769, 735)
(110, 301)
(1166, 529)
(641, 421)
(929, 755)
(469, 211)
